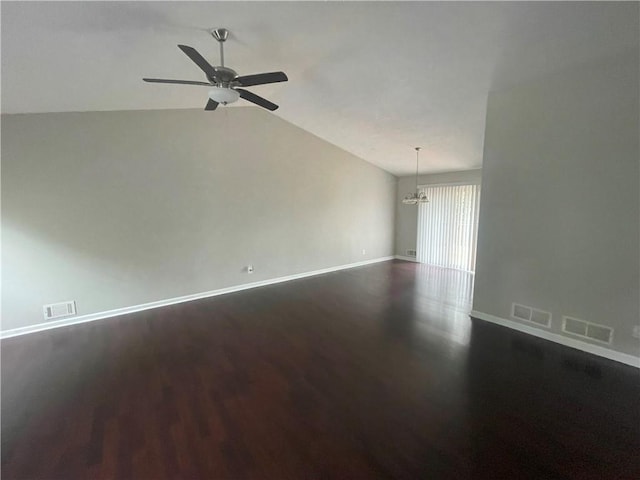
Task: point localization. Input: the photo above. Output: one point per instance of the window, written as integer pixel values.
(448, 226)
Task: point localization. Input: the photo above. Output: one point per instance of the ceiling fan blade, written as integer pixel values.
(198, 60)
(257, 99)
(211, 105)
(261, 79)
(181, 82)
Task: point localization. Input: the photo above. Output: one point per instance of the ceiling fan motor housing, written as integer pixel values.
(223, 76)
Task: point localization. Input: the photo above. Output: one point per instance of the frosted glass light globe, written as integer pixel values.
(223, 95)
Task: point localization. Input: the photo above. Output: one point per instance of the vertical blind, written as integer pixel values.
(448, 226)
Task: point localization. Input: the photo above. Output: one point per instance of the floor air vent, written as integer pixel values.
(411, 253)
(59, 310)
(589, 330)
(530, 314)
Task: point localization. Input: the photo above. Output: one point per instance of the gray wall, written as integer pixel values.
(115, 209)
(560, 208)
(407, 215)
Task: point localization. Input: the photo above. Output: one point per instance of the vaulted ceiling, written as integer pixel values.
(375, 78)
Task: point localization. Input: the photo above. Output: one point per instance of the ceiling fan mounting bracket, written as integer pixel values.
(220, 34)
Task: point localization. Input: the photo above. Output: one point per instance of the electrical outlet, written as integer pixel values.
(249, 268)
(364, 252)
(636, 331)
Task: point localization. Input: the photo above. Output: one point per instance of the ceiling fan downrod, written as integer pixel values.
(221, 35)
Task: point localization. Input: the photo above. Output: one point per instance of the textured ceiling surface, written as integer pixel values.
(374, 78)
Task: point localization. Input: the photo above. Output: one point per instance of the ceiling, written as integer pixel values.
(374, 78)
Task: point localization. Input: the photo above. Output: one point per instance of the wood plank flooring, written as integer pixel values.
(373, 372)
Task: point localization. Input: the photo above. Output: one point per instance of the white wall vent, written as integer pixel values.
(411, 253)
(589, 330)
(530, 314)
(520, 312)
(575, 326)
(58, 310)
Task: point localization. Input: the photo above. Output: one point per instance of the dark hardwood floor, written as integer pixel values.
(373, 372)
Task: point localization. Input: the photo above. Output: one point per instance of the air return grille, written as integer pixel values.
(411, 253)
(59, 310)
(530, 314)
(589, 330)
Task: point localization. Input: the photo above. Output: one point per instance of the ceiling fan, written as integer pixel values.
(224, 81)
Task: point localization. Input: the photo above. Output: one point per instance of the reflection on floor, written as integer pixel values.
(443, 300)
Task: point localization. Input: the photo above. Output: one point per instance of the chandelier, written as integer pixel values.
(417, 197)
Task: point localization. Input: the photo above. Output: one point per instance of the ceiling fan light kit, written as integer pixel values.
(223, 95)
(417, 197)
(224, 81)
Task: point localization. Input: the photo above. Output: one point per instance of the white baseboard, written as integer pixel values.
(407, 259)
(172, 301)
(562, 340)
